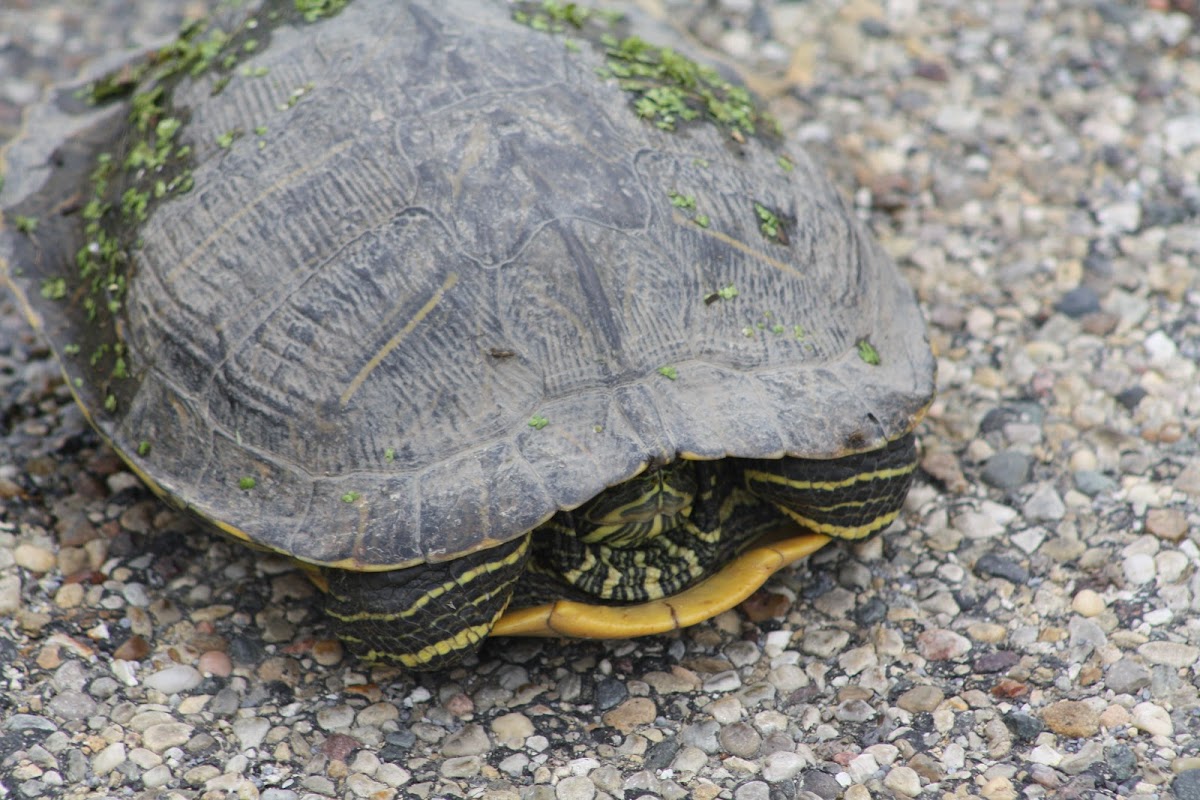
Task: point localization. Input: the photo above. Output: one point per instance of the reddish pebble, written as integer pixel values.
(339, 746)
(214, 662)
(460, 705)
(1008, 688)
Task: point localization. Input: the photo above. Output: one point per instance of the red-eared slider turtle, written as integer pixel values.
(469, 306)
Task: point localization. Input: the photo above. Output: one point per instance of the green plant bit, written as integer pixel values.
(770, 225)
(54, 288)
(724, 293)
(350, 497)
(143, 448)
(687, 202)
(314, 10)
(25, 224)
(868, 353)
(668, 372)
(389, 455)
(777, 328)
(785, 163)
(246, 483)
(537, 422)
(110, 403)
(71, 350)
(702, 220)
(798, 332)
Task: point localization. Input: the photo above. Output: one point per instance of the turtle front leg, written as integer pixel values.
(428, 616)
(852, 497)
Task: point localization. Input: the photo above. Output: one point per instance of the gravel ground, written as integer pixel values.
(1031, 628)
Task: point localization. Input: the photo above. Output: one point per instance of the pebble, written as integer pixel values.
(904, 781)
(1007, 469)
(1139, 568)
(33, 558)
(1088, 603)
(1126, 676)
(1071, 718)
(109, 758)
(740, 739)
(461, 767)
(250, 731)
(512, 729)
(160, 737)
(1152, 719)
(1170, 654)
(1186, 785)
(998, 566)
(630, 714)
(175, 679)
(782, 766)
(920, 698)
(472, 740)
(942, 645)
(1167, 523)
(1044, 505)
(575, 788)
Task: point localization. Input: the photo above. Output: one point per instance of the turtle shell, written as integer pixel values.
(398, 284)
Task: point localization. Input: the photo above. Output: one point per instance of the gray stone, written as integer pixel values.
(740, 739)
(1127, 676)
(461, 767)
(702, 735)
(472, 740)
(251, 731)
(754, 790)
(782, 766)
(1187, 785)
(1093, 482)
(1007, 469)
(575, 787)
(1044, 505)
(71, 705)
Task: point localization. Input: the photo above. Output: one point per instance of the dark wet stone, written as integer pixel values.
(1079, 301)
(658, 756)
(993, 565)
(822, 784)
(1007, 469)
(1131, 397)
(870, 612)
(1023, 726)
(609, 693)
(245, 651)
(998, 661)
(1121, 761)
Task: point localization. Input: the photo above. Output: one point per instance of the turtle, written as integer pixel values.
(500, 319)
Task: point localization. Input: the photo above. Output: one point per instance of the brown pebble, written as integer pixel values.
(328, 652)
(921, 698)
(1089, 675)
(943, 466)
(215, 662)
(1008, 688)
(135, 648)
(1071, 718)
(9, 490)
(630, 714)
(1167, 523)
(763, 605)
(50, 657)
(339, 746)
